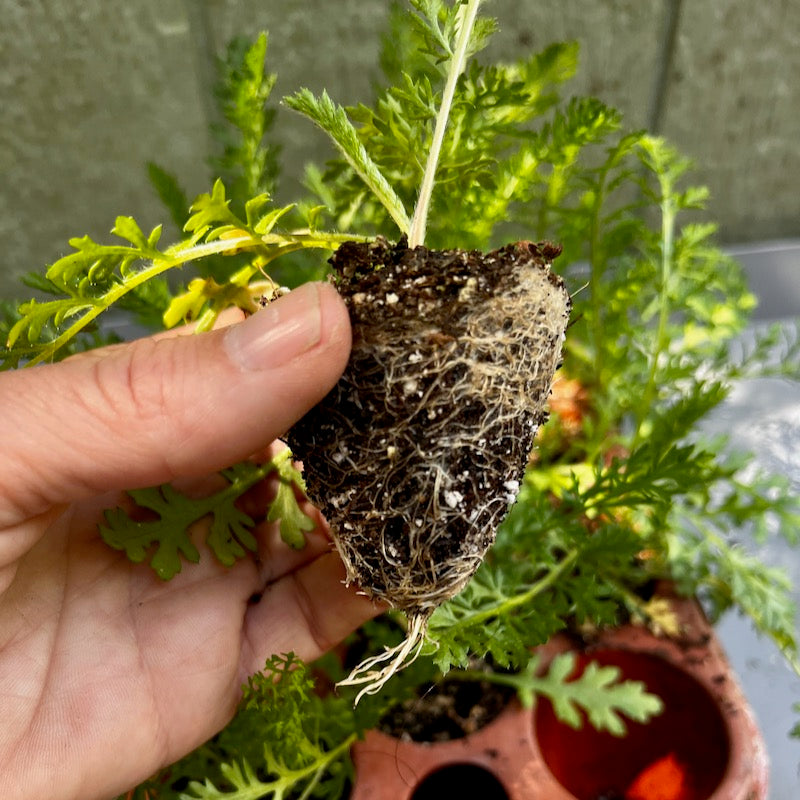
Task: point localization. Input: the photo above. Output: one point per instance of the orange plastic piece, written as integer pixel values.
(664, 779)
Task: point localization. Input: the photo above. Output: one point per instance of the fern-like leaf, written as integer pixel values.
(598, 692)
(334, 121)
(165, 540)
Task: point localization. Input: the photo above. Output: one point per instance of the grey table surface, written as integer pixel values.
(762, 416)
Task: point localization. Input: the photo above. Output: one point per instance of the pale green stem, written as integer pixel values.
(661, 339)
(419, 222)
(331, 756)
(523, 598)
(290, 778)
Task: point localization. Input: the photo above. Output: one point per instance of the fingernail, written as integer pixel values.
(273, 336)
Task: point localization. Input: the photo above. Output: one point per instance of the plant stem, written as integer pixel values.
(324, 763)
(416, 234)
(177, 257)
(668, 212)
(517, 600)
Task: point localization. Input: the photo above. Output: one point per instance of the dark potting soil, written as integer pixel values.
(416, 454)
(450, 710)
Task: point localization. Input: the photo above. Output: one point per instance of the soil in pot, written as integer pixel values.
(446, 711)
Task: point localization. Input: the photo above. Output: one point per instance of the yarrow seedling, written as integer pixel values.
(419, 450)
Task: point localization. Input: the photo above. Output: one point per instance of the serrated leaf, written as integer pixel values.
(166, 539)
(266, 223)
(186, 305)
(599, 692)
(128, 228)
(293, 521)
(253, 207)
(306, 740)
(230, 535)
(168, 534)
(247, 161)
(334, 121)
(211, 209)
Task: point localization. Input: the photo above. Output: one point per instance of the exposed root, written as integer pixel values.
(416, 454)
(398, 658)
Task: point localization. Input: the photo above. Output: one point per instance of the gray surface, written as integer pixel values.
(773, 272)
(763, 417)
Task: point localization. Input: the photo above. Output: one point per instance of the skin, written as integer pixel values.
(106, 672)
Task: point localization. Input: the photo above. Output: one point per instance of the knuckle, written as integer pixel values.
(142, 388)
(132, 386)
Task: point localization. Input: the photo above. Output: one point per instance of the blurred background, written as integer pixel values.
(92, 91)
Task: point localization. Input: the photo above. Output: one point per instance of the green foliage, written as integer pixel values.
(19, 353)
(91, 280)
(248, 163)
(546, 571)
(598, 691)
(490, 159)
(164, 539)
(333, 120)
(96, 276)
(284, 509)
(289, 741)
(285, 742)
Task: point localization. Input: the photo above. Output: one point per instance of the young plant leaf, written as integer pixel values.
(598, 692)
(334, 121)
(164, 540)
(306, 741)
(294, 522)
(466, 15)
(248, 160)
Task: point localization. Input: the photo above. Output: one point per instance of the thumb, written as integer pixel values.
(147, 412)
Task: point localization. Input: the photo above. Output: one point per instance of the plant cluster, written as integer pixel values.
(622, 490)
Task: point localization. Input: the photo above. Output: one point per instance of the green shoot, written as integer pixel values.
(466, 22)
(598, 692)
(247, 162)
(333, 120)
(96, 276)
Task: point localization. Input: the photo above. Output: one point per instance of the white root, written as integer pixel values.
(398, 658)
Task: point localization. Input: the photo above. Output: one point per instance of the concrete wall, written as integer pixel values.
(90, 90)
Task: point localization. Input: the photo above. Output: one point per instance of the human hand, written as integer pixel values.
(106, 672)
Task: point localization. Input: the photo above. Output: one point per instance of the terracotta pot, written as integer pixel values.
(704, 746)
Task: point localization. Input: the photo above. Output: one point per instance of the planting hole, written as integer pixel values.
(465, 781)
(680, 754)
(445, 711)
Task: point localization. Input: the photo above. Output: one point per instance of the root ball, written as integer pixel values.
(416, 454)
